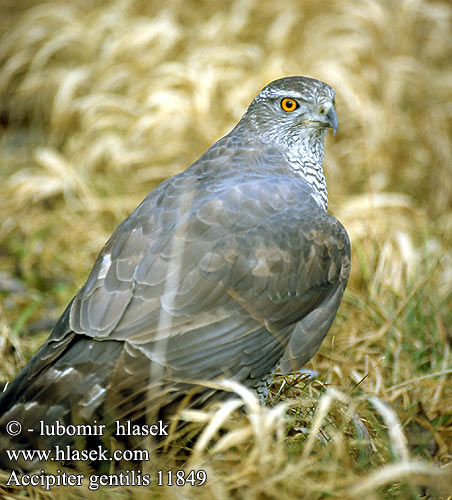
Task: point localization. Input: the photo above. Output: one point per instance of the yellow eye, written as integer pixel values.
(288, 104)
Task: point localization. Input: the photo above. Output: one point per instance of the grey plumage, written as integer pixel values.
(227, 269)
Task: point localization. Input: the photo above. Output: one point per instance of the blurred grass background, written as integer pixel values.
(101, 100)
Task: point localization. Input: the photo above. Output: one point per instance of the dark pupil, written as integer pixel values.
(289, 104)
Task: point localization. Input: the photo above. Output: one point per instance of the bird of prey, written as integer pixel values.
(232, 268)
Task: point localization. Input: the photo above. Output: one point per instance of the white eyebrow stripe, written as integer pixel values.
(291, 94)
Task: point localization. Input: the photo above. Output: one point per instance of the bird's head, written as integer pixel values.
(294, 114)
(292, 109)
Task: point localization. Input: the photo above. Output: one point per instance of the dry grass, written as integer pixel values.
(100, 100)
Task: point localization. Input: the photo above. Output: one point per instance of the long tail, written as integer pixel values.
(66, 382)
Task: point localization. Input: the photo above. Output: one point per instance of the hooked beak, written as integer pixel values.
(332, 119)
(329, 117)
(325, 117)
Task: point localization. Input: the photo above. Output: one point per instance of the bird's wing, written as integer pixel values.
(214, 279)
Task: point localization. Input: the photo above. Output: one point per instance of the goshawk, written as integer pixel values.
(231, 268)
